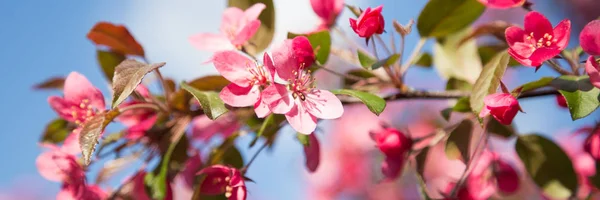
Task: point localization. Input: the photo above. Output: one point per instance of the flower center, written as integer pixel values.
(259, 74)
(83, 112)
(302, 85)
(535, 42)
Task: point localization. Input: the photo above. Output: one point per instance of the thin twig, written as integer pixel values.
(557, 68)
(413, 56)
(163, 82)
(469, 165)
(348, 76)
(385, 47)
(140, 106)
(440, 95)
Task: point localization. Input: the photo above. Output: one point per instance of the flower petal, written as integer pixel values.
(312, 153)
(246, 33)
(139, 130)
(284, 60)
(537, 24)
(238, 193)
(261, 109)
(214, 182)
(302, 121)
(237, 96)
(590, 38)
(514, 34)
(278, 98)
(71, 143)
(323, 104)
(77, 89)
(543, 54)
(562, 33)
(303, 51)
(62, 107)
(591, 67)
(254, 11)
(231, 18)
(234, 67)
(211, 42)
(268, 63)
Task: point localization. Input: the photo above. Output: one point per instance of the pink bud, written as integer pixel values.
(392, 142)
(502, 4)
(368, 23)
(327, 10)
(592, 145)
(506, 177)
(589, 38)
(303, 51)
(561, 101)
(502, 106)
(312, 153)
(222, 179)
(591, 67)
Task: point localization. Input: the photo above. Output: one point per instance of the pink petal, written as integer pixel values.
(254, 11)
(302, 121)
(323, 104)
(523, 60)
(589, 38)
(237, 96)
(192, 165)
(514, 34)
(502, 4)
(211, 42)
(231, 20)
(261, 109)
(238, 193)
(484, 112)
(71, 144)
(498, 100)
(537, 24)
(327, 10)
(50, 165)
(62, 107)
(214, 182)
(234, 67)
(507, 177)
(562, 33)
(591, 67)
(77, 89)
(139, 188)
(94, 192)
(392, 167)
(543, 54)
(312, 153)
(246, 33)
(204, 128)
(353, 25)
(285, 61)
(139, 130)
(268, 63)
(278, 98)
(303, 51)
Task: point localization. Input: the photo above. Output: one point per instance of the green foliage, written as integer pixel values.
(548, 165)
(263, 37)
(108, 61)
(56, 131)
(540, 83)
(303, 138)
(582, 97)
(227, 154)
(440, 18)
(128, 75)
(386, 62)
(458, 144)
(51, 83)
(375, 103)
(211, 104)
(488, 81)
(496, 128)
(453, 59)
(157, 180)
(424, 60)
(365, 60)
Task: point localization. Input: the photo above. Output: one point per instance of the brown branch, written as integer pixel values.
(440, 95)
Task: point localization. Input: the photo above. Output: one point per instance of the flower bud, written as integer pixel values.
(502, 106)
(368, 23)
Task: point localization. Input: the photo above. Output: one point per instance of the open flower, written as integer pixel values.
(589, 38)
(327, 10)
(502, 4)
(222, 179)
(502, 106)
(395, 146)
(592, 69)
(539, 42)
(138, 121)
(247, 80)
(237, 27)
(369, 22)
(81, 100)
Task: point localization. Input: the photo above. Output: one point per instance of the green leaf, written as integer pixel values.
(358, 73)
(128, 75)
(462, 105)
(303, 138)
(540, 83)
(108, 61)
(421, 159)
(459, 141)
(442, 17)
(263, 37)
(446, 113)
(488, 80)
(487, 52)
(56, 131)
(211, 104)
(321, 43)
(496, 128)
(157, 181)
(386, 62)
(272, 122)
(454, 60)
(424, 60)
(375, 103)
(227, 154)
(51, 83)
(548, 165)
(91, 131)
(582, 97)
(365, 60)
(181, 98)
(457, 84)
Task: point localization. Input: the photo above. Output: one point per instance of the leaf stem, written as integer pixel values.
(441, 95)
(348, 76)
(557, 68)
(163, 83)
(413, 56)
(140, 106)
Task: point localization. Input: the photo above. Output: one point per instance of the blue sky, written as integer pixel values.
(47, 38)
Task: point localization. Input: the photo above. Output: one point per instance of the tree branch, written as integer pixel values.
(440, 95)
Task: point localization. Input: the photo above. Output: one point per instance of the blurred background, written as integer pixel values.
(47, 38)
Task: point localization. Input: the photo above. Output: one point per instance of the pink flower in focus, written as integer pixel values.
(291, 56)
(247, 79)
(81, 100)
(502, 106)
(221, 179)
(138, 121)
(204, 128)
(591, 67)
(368, 23)
(502, 4)
(237, 27)
(312, 153)
(327, 10)
(589, 38)
(539, 42)
(561, 101)
(395, 146)
(303, 51)
(592, 145)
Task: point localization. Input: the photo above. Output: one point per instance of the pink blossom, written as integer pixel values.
(138, 121)
(291, 56)
(78, 192)
(312, 153)
(589, 38)
(539, 42)
(592, 145)
(463, 193)
(502, 106)
(395, 145)
(561, 101)
(507, 177)
(502, 4)
(237, 27)
(204, 128)
(591, 67)
(221, 179)
(303, 51)
(192, 165)
(247, 79)
(484, 184)
(59, 166)
(81, 100)
(369, 22)
(327, 10)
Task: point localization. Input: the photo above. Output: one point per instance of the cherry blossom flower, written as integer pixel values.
(328, 11)
(502, 4)
(138, 121)
(369, 22)
(203, 128)
(395, 146)
(221, 179)
(237, 27)
(589, 38)
(539, 42)
(502, 106)
(592, 69)
(81, 100)
(247, 80)
(312, 152)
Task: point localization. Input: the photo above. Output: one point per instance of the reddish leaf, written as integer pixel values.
(51, 83)
(117, 37)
